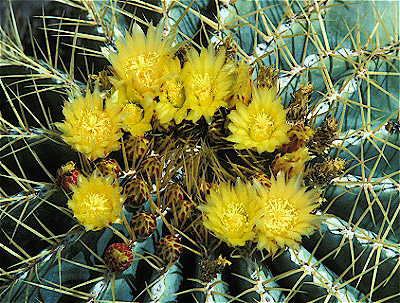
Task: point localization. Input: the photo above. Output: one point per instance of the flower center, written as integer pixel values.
(143, 67)
(261, 127)
(174, 92)
(234, 218)
(95, 204)
(203, 88)
(279, 215)
(119, 256)
(95, 126)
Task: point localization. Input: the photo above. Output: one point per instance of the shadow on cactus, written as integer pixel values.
(224, 151)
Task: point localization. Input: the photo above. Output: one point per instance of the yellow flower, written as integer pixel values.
(260, 125)
(208, 82)
(96, 202)
(136, 120)
(140, 60)
(172, 95)
(89, 127)
(286, 213)
(230, 211)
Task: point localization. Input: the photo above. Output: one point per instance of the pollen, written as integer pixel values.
(97, 124)
(261, 127)
(234, 218)
(279, 214)
(174, 92)
(143, 67)
(98, 201)
(202, 84)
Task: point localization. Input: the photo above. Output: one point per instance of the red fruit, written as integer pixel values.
(67, 175)
(143, 224)
(173, 194)
(169, 249)
(118, 257)
(136, 147)
(185, 210)
(165, 128)
(151, 167)
(137, 193)
(109, 167)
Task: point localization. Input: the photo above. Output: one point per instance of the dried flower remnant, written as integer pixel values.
(299, 136)
(181, 54)
(324, 135)
(298, 106)
(210, 268)
(291, 164)
(323, 173)
(101, 80)
(267, 77)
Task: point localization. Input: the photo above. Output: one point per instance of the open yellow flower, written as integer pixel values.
(172, 95)
(90, 127)
(208, 81)
(140, 60)
(230, 211)
(96, 202)
(286, 213)
(261, 125)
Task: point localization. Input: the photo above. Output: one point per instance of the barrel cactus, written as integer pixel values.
(199, 151)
